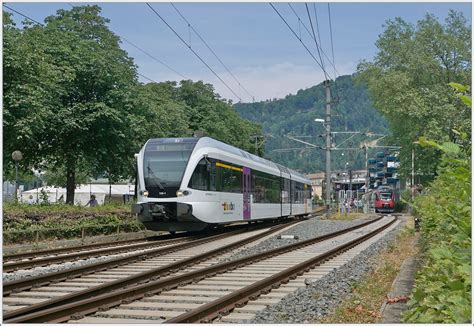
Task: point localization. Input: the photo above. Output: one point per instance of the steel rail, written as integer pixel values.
(25, 284)
(26, 264)
(132, 280)
(240, 297)
(45, 279)
(33, 254)
(56, 310)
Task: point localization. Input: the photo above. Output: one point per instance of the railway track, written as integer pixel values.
(81, 282)
(28, 260)
(55, 256)
(91, 246)
(205, 291)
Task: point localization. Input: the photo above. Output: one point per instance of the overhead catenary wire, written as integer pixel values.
(211, 50)
(332, 44)
(316, 42)
(19, 13)
(296, 35)
(332, 51)
(317, 30)
(194, 52)
(148, 54)
(153, 57)
(312, 36)
(319, 37)
(147, 78)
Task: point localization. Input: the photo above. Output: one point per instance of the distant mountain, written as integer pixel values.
(294, 115)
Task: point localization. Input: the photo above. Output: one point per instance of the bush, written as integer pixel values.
(59, 221)
(442, 292)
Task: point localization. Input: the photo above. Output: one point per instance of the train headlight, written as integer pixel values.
(181, 193)
(145, 193)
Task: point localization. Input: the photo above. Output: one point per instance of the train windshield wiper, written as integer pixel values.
(155, 178)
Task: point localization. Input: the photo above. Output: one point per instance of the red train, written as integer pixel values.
(384, 200)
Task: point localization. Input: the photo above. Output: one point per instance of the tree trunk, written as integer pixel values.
(70, 182)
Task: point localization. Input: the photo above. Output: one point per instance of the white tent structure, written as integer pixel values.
(82, 193)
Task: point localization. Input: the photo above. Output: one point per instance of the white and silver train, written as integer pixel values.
(189, 184)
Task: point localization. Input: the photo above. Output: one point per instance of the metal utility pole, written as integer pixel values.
(328, 147)
(367, 176)
(256, 137)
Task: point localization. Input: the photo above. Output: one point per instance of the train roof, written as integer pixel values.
(211, 142)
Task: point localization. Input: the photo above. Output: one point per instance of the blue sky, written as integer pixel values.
(250, 39)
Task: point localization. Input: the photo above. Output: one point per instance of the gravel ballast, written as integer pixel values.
(308, 229)
(303, 306)
(321, 297)
(42, 270)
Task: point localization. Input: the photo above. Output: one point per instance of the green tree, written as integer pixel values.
(68, 95)
(173, 110)
(408, 82)
(443, 285)
(295, 114)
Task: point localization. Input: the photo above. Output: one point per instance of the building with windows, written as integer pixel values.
(317, 180)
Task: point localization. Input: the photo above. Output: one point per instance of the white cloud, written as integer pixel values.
(275, 81)
(268, 82)
(279, 80)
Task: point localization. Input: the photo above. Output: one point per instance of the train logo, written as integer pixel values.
(228, 206)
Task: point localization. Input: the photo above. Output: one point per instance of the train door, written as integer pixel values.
(281, 192)
(246, 190)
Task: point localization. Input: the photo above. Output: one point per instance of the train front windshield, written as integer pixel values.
(164, 165)
(385, 195)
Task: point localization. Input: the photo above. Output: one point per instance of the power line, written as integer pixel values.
(148, 54)
(210, 49)
(300, 22)
(153, 57)
(19, 13)
(296, 35)
(194, 52)
(332, 45)
(149, 79)
(320, 43)
(314, 37)
(317, 29)
(319, 38)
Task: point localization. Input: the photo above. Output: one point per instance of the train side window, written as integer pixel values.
(258, 188)
(276, 189)
(293, 192)
(266, 187)
(237, 181)
(228, 178)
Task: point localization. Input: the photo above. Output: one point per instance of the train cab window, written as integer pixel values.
(200, 178)
(163, 167)
(385, 195)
